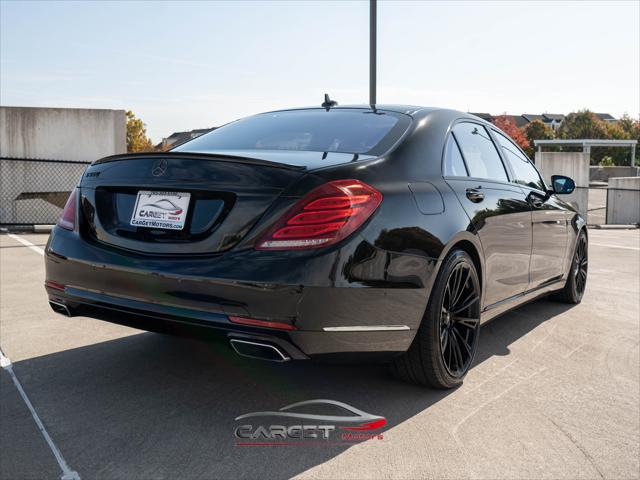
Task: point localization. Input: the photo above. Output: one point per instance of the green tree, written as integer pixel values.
(630, 125)
(583, 124)
(537, 130)
(624, 129)
(606, 162)
(631, 128)
(137, 140)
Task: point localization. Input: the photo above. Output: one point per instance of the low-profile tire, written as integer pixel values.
(444, 346)
(577, 279)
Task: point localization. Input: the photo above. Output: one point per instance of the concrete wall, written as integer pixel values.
(602, 174)
(61, 133)
(33, 191)
(623, 201)
(570, 164)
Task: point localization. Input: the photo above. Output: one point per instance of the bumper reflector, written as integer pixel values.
(261, 323)
(54, 285)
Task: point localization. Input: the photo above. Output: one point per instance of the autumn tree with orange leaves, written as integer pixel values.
(509, 127)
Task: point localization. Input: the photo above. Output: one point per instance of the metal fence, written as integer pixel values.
(33, 192)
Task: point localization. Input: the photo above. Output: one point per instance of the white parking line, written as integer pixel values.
(67, 473)
(614, 246)
(26, 243)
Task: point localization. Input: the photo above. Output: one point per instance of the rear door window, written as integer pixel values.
(524, 172)
(480, 153)
(453, 162)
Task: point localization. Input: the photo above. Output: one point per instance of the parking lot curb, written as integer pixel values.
(26, 228)
(614, 227)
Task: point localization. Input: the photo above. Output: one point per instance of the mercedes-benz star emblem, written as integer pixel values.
(159, 168)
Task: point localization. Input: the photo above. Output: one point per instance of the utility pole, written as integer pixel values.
(372, 51)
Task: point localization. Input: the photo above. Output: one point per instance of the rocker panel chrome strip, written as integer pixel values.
(366, 328)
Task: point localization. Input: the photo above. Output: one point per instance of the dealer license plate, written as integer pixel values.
(166, 210)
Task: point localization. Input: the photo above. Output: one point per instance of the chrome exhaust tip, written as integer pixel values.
(60, 308)
(258, 350)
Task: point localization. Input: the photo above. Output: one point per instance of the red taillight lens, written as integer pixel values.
(326, 215)
(68, 218)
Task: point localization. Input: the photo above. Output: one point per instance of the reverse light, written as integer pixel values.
(68, 218)
(326, 215)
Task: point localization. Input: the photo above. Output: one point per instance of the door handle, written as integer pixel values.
(475, 195)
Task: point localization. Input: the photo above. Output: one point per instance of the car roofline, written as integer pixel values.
(414, 111)
(410, 110)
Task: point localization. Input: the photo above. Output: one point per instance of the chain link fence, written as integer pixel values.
(33, 192)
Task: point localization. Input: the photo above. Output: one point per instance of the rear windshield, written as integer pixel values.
(338, 130)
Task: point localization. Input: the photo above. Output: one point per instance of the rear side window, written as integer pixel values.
(525, 173)
(453, 162)
(314, 130)
(479, 152)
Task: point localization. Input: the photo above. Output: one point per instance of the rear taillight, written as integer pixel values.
(68, 218)
(326, 215)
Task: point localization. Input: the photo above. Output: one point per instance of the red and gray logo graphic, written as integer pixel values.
(356, 425)
(166, 205)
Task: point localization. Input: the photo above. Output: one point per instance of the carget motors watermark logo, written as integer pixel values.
(296, 426)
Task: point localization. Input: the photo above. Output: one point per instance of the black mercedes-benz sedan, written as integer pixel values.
(389, 232)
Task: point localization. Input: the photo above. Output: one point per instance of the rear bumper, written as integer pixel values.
(340, 301)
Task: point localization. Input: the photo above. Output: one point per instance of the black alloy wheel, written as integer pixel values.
(576, 283)
(459, 320)
(581, 263)
(444, 346)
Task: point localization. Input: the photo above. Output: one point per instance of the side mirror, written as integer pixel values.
(562, 185)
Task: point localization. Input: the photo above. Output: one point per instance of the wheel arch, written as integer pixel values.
(470, 244)
(571, 252)
(576, 227)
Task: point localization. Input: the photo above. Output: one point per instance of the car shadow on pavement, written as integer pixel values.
(154, 406)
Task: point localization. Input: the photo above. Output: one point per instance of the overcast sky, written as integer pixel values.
(181, 66)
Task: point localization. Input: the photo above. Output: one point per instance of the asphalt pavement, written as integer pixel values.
(554, 393)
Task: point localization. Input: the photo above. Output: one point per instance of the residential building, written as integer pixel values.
(484, 116)
(178, 138)
(553, 120)
(518, 120)
(605, 117)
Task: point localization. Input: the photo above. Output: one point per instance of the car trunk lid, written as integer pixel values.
(227, 194)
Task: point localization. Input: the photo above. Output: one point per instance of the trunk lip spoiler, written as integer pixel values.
(223, 157)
